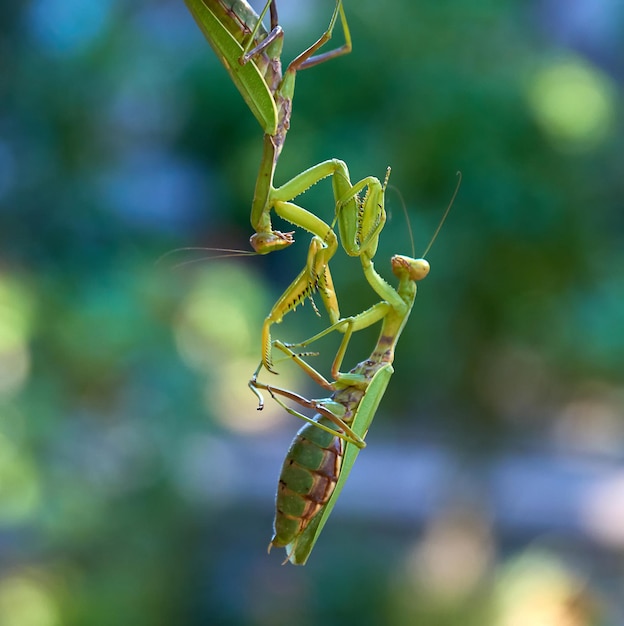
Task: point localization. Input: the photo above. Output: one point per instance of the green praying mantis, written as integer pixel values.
(252, 57)
(324, 450)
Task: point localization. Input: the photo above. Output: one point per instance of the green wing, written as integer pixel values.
(300, 549)
(247, 78)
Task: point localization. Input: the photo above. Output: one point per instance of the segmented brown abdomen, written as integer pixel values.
(312, 466)
(307, 480)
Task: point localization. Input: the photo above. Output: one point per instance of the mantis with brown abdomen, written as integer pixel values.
(324, 450)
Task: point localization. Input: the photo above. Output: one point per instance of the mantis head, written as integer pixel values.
(263, 243)
(406, 267)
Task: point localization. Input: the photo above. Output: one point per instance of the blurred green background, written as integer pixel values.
(136, 476)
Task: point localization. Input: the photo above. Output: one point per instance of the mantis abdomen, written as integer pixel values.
(307, 481)
(312, 468)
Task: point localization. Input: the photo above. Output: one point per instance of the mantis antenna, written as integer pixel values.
(226, 254)
(448, 208)
(406, 215)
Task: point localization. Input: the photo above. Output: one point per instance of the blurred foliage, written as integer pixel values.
(124, 497)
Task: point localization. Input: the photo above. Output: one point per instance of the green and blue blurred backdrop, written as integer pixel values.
(137, 477)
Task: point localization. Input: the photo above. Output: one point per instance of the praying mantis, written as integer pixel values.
(232, 28)
(324, 450)
(251, 56)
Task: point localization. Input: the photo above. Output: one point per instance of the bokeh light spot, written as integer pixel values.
(603, 511)
(453, 556)
(219, 320)
(538, 589)
(25, 602)
(218, 333)
(573, 102)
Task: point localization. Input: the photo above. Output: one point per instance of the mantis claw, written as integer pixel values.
(269, 368)
(252, 385)
(313, 304)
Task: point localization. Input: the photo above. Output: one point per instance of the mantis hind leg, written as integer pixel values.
(308, 58)
(333, 411)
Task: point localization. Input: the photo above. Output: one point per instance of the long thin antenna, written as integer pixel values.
(407, 219)
(227, 253)
(448, 208)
